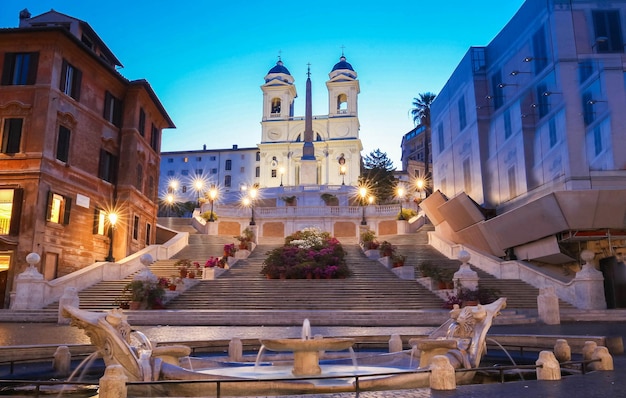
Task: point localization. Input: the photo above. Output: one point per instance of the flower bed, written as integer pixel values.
(307, 254)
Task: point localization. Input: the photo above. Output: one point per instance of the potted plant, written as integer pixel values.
(368, 240)
(289, 200)
(330, 199)
(206, 216)
(183, 265)
(397, 260)
(145, 294)
(246, 237)
(230, 250)
(386, 249)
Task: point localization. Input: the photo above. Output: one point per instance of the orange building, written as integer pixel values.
(78, 142)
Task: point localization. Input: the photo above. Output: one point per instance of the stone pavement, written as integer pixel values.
(595, 384)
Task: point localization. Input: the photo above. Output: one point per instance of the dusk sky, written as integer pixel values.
(206, 60)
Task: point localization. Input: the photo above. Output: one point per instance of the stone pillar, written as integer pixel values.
(395, 343)
(548, 306)
(29, 286)
(402, 227)
(562, 351)
(589, 285)
(465, 277)
(235, 349)
(62, 361)
(548, 367)
(113, 383)
(212, 227)
(588, 349)
(442, 376)
(69, 298)
(606, 360)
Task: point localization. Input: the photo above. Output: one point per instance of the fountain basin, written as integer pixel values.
(306, 355)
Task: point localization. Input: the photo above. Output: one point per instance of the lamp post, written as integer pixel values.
(212, 197)
(112, 220)
(400, 193)
(342, 171)
(281, 170)
(253, 192)
(198, 186)
(169, 199)
(363, 194)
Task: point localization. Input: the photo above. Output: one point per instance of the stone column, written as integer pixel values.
(395, 343)
(549, 367)
(235, 349)
(548, 306)
(113, 383)
(465, 277)
(29, 286)
(589, 285)
(562, 351)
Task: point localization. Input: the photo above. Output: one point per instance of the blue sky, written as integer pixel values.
(206, 60)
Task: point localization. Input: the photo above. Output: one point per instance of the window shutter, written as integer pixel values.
(107, 105)
(32, 68)
(63, 76)
(49, 206)
(96, 220)
(7, 70)
(117, 113)
(66, 212)
(16, 211)
(78, 76)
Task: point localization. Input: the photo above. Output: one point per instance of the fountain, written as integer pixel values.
(461, 339)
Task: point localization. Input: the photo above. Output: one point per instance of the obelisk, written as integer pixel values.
(308, 164)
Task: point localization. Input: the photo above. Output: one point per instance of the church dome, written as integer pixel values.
(342, 64)
(279, 68)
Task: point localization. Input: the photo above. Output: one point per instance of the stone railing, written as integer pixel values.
(33, 292)
(585, 291)
(310, 211)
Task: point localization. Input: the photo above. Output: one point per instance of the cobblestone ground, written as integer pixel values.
(416, 393)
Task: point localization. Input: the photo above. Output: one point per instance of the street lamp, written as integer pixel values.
(198, 184)
(363, 194)
(112, 220)
(400, 194)
(342, 171)
(212, 196)
(169, 199)
(281, 170)
(252, 192)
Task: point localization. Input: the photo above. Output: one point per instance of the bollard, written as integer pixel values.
(395, 343)
(235, 349)
(562, 351)
(442, 375)
(62, 361)
(588, 349)
(606, 360)
(548, 367)
(113, 383)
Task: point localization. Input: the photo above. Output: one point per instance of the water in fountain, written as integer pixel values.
(508, 355)
(83, 366)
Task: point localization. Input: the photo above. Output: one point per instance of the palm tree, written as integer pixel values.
(421, 115)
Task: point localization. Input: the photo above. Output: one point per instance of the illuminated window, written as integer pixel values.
(58, 209)
(99, 219)
(6, 210)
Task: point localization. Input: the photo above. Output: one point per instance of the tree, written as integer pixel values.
(377, 175)
(421, 115)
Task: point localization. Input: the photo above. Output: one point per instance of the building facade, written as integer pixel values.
(531, 127)
(79, 142)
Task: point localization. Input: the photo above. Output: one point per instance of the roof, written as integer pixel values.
(279, 68)
(342, 64)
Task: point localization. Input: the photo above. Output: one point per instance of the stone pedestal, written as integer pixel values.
(69, 298)
(402, 227)
(589, 285)
(548, 367)
(113, 383)
(465, 277)
(211, 228)
(548, 306)
(442, 375)
(395, 343)
(235, 349)
(308, 172)
(29, 286)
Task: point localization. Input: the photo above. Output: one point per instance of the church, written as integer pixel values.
(300, 150)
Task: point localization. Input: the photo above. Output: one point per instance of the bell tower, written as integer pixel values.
(279, 93)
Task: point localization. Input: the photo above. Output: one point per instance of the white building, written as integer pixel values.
(531, 127)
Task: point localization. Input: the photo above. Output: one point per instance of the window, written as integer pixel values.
(242, 169)
(185, 159)
(274, 173)
(213, 171)
(543, 105)
(199, 159)
(258, 172)
(19, 69)
(170, 160)
(275, 105)
(148, 234)
(608, 32)
(585, 70)
(139, 181)
(462, 116)
(478, 59)
(199, 172)
(184, 172)
(184, 188)
(135, 227)
(342, 103)
(112, 109)
(258, 156)
(170, 173)
(497, 96)
(108, 167)
(552, 137)
(229, 165)
(440, 137)
(243, 156)
(212, 158)
(58, 209)
(70, 80)
(467, 176)
(99, 222)
(227, 182)
(597, 140)
(508, 130)
(11, 135)
(540, 53)
(63, 144)
(512, 182)
(10, 210)
(154, 138)
(142, 122)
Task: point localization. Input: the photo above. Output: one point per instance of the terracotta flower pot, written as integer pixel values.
(172, 287)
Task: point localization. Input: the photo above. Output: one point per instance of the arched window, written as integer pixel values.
(342, 103)
(275, 105)
(318, 137)
(299, 138)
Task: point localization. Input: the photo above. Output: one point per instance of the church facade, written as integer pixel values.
(336, 155)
